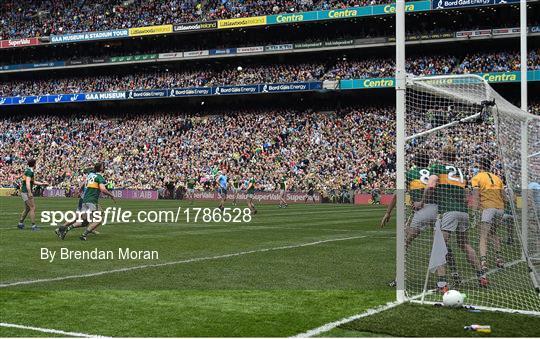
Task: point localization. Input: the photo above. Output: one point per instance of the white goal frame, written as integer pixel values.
(401, 139)
(520, 116)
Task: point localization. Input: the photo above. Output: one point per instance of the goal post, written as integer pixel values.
(471, 218)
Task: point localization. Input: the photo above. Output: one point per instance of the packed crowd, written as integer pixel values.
(350, 149)
(268, 73)
(345, 150)
(433, 65)
(28, 18)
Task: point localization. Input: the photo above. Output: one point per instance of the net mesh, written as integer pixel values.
(465, 196)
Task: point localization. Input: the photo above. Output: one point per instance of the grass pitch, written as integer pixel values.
(285, 272)
(446, 323)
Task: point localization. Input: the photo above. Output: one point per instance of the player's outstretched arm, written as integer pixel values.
(105, 191)
(389, 210)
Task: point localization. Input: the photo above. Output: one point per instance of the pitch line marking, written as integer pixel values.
(330, 326)
(370, 311)
(48, 330)
(185, 261)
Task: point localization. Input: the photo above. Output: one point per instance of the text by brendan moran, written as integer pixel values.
(97, 254)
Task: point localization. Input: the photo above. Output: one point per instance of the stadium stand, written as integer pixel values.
(175, 145)
(273, 73)
(350, 149)
(28, 19)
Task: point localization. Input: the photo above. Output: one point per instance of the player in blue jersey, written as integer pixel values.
(222, 181)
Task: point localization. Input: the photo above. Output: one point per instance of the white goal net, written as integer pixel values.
(468, 184)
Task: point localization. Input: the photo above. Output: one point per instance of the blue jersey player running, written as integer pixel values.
(222, 187)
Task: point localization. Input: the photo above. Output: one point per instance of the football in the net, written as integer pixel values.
(453, 298)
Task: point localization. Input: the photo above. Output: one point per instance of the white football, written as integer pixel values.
(453, 298)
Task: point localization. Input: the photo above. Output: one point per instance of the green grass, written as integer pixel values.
(243, 282)
(441, 322)
(280, 292)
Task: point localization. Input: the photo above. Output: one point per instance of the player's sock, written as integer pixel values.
(85, 234)
(482, 279)
(442, 285)
(483, 262)
(498, 259)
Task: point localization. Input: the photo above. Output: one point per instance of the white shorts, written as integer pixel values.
(491, 215)
(88, 207)
(250, 195)
(24, 196)
(282, 193)
(424, 217)
(191, 190)
(455, 221)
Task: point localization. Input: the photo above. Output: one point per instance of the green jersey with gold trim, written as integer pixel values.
(93, 180)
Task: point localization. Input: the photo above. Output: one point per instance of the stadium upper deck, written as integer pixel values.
(306, 69)
(55, 22)
(178, 70)
(26, 18)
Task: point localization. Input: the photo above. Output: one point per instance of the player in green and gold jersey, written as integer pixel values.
(251, 183)
(283, 184)
(235, 187)
(310, 184)
(27, 186)
(191, 181)
(95, 185)
(448, 185)
(425, 212)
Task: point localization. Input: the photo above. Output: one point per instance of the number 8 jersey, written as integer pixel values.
(417, 179)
